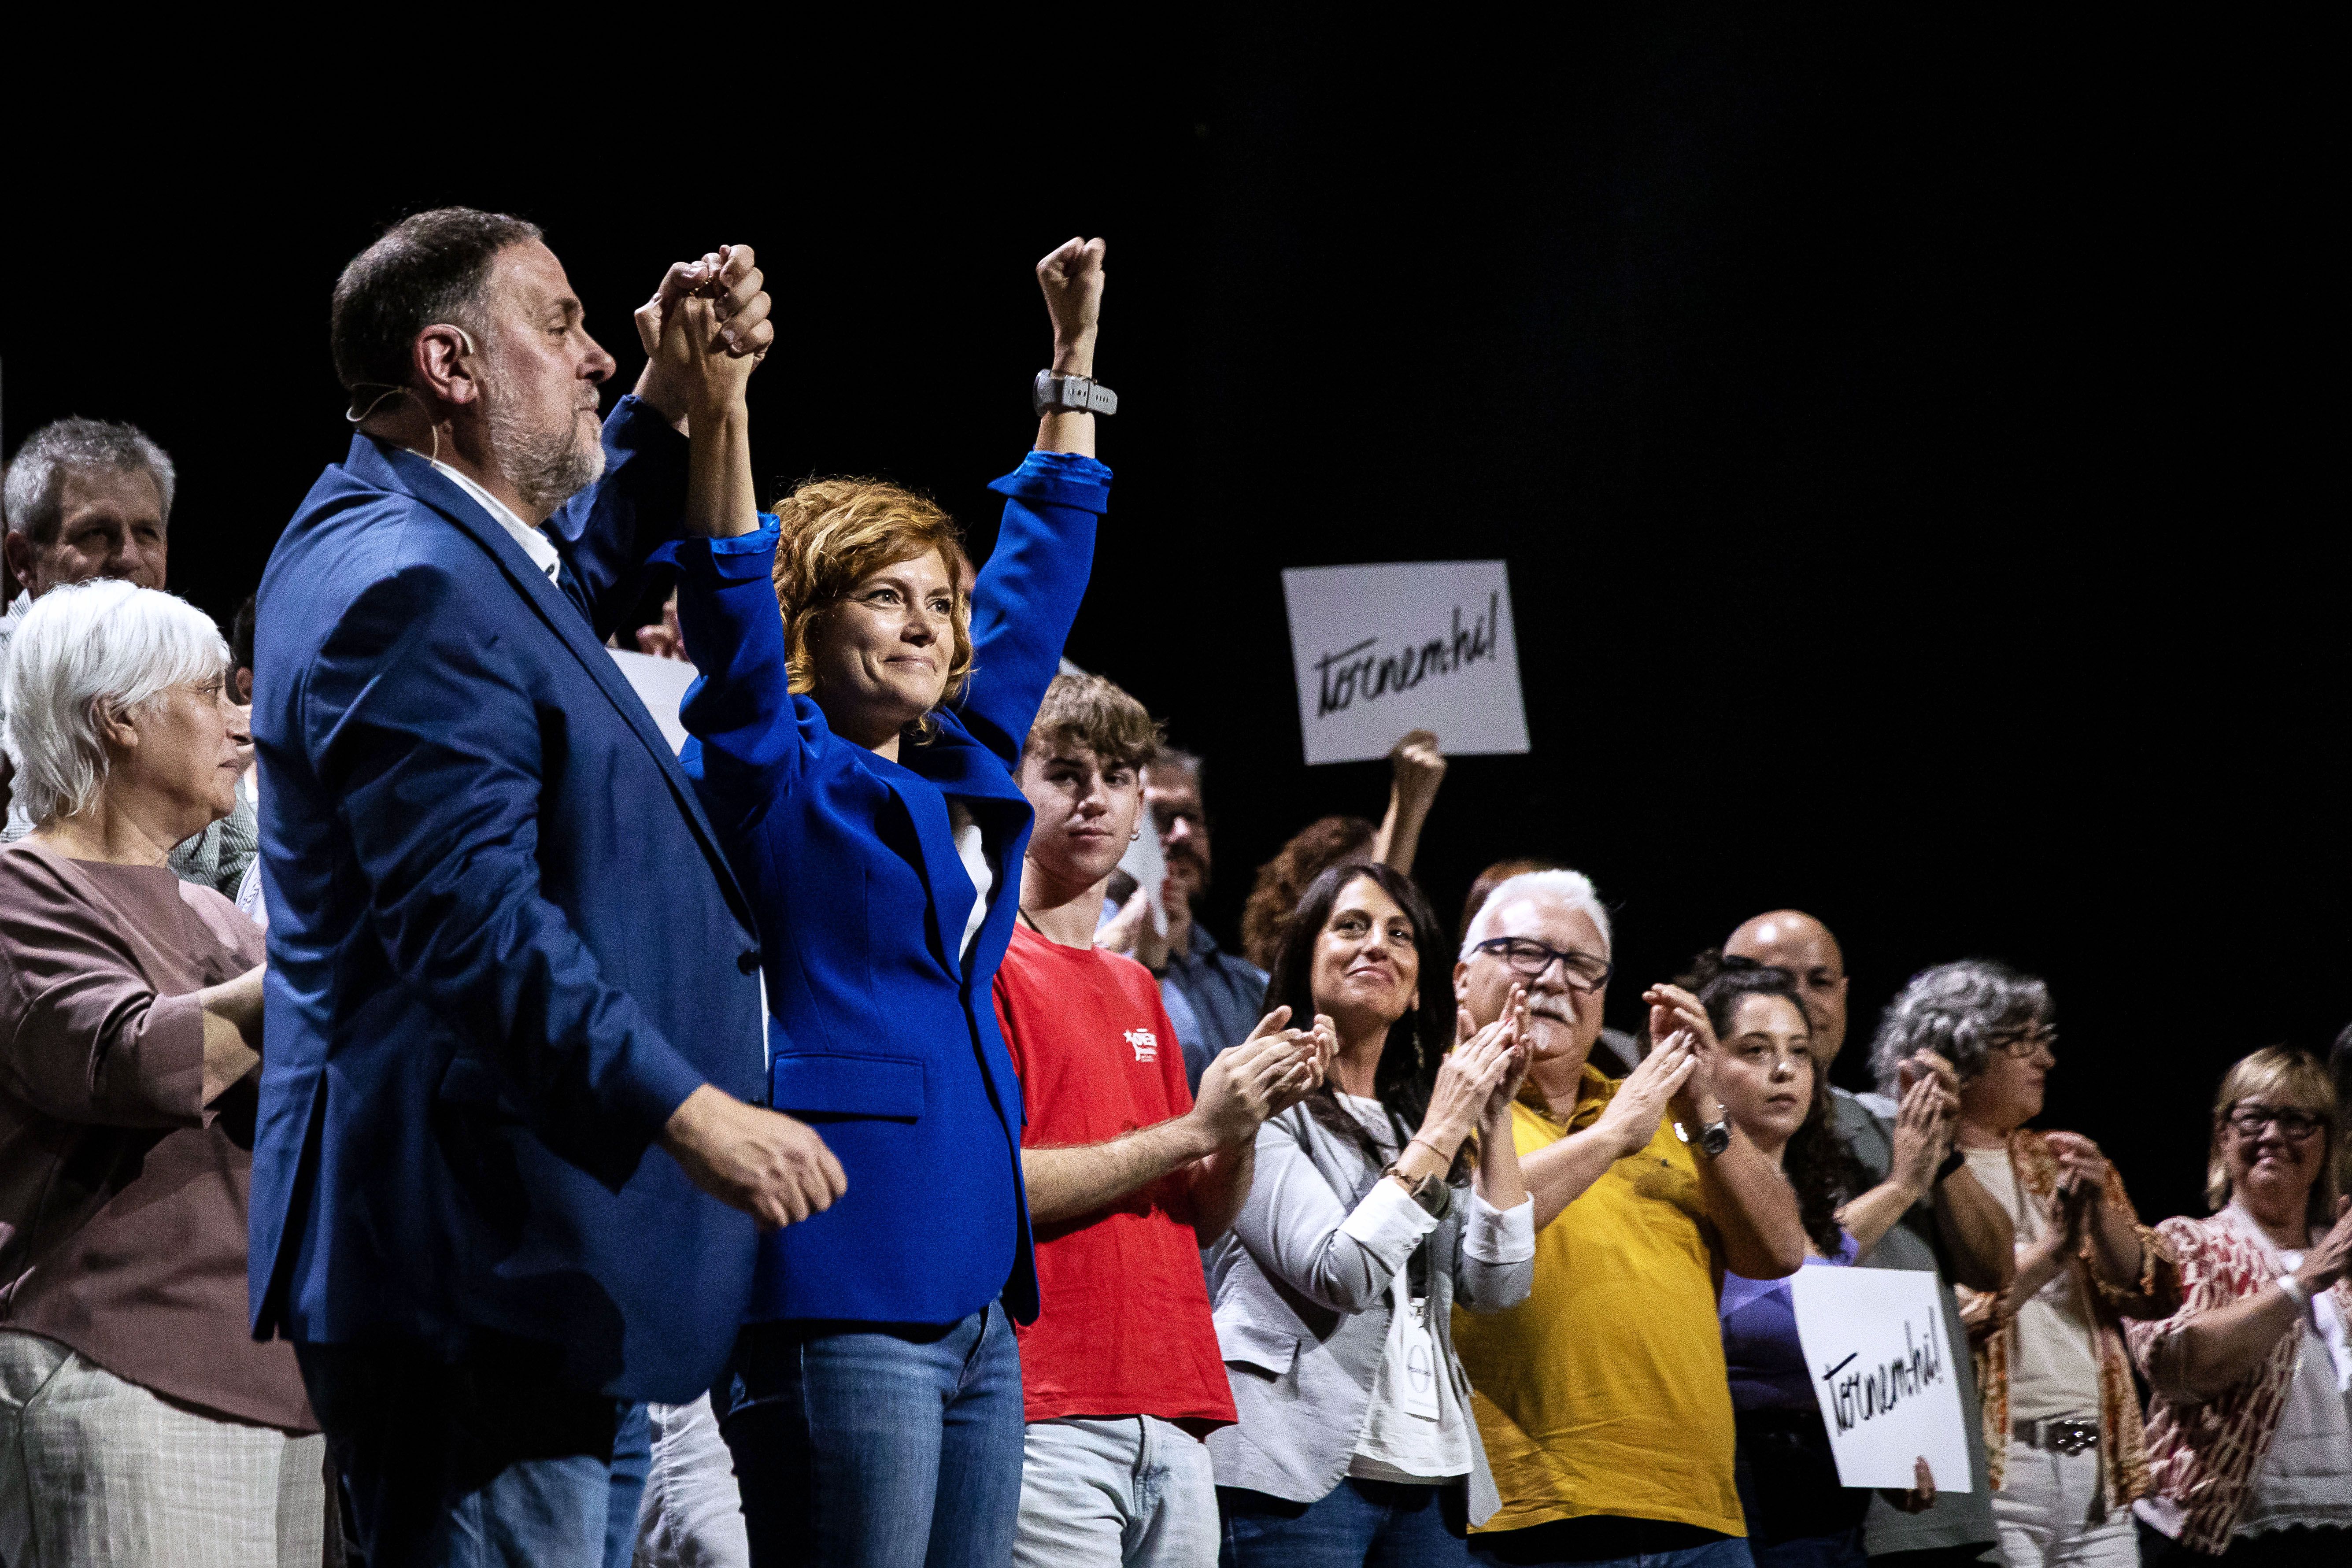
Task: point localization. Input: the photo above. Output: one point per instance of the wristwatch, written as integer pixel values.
(1715, 1137)
(1431, 1192)
(1070, 393)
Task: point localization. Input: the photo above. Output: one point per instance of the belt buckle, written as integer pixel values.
(2070, 1438)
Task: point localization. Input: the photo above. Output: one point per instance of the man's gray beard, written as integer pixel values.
(547, 467)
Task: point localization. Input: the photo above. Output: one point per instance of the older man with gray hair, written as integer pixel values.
(1603, 1400)
(88, 500)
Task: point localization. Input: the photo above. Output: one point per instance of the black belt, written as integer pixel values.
(2057, 1435)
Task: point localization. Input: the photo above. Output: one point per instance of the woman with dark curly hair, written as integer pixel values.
(1797, 1511)
(1327, 841)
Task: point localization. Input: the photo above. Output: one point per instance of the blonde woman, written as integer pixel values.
(2250, 1423)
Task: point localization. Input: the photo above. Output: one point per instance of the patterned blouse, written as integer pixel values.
(2204, 1455)
(1992, 1332)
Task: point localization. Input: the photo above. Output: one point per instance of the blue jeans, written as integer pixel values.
(479, 1464)
(1356, 1524)
(1606, 1541)
(845, 1435)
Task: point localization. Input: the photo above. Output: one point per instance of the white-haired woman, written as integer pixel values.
(2064, 1449)
(2250, 1420)
(139, 1421)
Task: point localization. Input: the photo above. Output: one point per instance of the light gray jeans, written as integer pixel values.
(2048, 1513)
(692, 1514)
(1128, 1491)
(96, 1470)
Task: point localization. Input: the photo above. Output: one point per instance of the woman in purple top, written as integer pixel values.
(1798, 1514)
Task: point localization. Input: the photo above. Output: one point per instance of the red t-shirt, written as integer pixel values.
(1124, 1329)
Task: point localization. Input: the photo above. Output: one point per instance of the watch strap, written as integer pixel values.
(1053, 391)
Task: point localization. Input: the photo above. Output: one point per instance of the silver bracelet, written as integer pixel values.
(2295, 1292)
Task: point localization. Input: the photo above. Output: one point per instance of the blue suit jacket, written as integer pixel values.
(504, 944)
(882, 1035)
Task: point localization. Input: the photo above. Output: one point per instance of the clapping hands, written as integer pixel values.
(1673, 1011)
(1479, 1076)
(1263, 1076)
(1924, 1124)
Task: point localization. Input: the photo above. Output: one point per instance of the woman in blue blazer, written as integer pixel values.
(856, 753)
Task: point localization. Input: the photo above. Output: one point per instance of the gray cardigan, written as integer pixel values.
(1302, 1322)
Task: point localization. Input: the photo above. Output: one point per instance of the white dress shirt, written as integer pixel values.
(534, 541)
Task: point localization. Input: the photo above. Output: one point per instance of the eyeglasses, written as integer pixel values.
(1530, 958)
(2294, 1125)
(2021, 1044)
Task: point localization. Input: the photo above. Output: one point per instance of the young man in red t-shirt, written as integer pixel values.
(1128, 1178)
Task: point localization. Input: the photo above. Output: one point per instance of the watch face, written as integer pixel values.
(1714, 1139)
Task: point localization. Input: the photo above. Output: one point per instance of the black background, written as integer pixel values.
(1914, 439)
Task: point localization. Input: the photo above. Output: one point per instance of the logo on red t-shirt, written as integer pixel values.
(1146, 1044)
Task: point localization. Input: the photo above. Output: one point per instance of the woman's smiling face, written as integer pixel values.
(881, 656)
(1367, 968)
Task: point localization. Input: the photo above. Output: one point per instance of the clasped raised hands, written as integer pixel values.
(703, 330)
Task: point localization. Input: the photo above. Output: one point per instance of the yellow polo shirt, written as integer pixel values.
(1605, 1392)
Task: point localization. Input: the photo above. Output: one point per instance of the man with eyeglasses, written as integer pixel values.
(1215, 998)
(1603, 1401)
(1950, 1225)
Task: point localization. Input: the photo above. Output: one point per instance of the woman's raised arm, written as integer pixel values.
(1072, 277)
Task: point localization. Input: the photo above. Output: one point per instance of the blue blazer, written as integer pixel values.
(882, 1036)
(504, 944)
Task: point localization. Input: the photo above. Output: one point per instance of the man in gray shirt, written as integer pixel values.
(1955, 1231)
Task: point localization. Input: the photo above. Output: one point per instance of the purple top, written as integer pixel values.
(1759, 1340)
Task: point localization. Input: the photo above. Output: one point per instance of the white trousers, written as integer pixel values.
(94, 1469)
(2048, 1513)
(1129, 1491)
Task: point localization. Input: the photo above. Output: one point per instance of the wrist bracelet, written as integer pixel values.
(2295, 1292)
(1952, 1162)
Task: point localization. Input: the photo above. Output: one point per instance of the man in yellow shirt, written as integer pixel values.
(1602, 1400)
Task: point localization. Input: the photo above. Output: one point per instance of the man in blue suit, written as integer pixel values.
(506, 956)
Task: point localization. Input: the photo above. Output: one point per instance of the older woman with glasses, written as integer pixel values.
(139, 1421)
(2250, 1423)
(2062, 1441)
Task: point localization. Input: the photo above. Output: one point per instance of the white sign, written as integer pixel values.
(1421, 645)
(660, 685)
(1149, 867)
(1880, 1357)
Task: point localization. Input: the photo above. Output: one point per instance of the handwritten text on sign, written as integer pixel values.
(1880, 1355)
(1425, 645)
